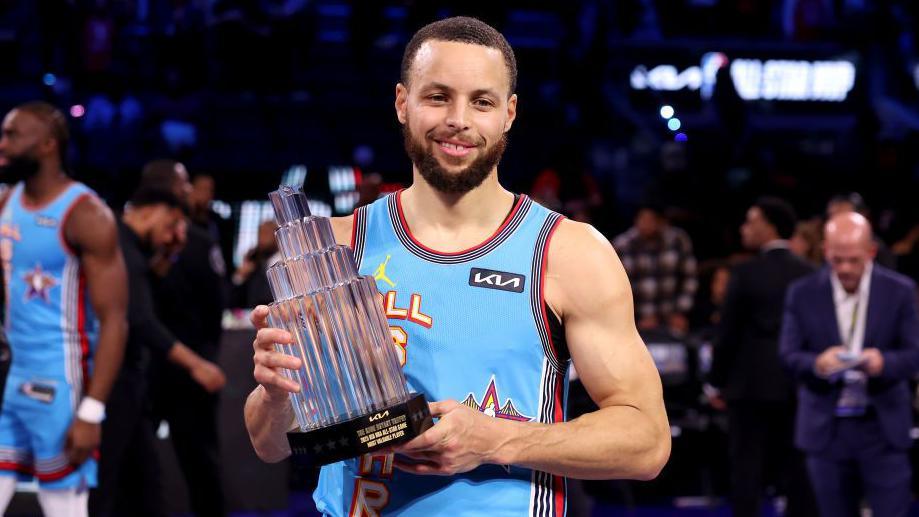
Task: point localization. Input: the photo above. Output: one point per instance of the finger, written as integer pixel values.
(428, 440)
(271, 379)
(422, 468)
(273, 359)
(266, 338)
(79, 456)
(419, 455)
(259, 316)
(442, 407)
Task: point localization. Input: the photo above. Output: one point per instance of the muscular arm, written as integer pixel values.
(268, 413)
(91, 230)
(628, 437)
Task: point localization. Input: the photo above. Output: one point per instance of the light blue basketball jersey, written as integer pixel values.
(51, 327)
(470, 326)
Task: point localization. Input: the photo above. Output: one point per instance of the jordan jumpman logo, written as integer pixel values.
(380, 273)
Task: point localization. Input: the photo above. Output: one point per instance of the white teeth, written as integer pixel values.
(454, 147)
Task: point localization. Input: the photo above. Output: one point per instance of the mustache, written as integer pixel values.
(446, 135)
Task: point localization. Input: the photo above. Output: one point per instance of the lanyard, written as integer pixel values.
(851, 337)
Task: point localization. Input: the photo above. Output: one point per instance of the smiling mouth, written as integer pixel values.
(454, 148)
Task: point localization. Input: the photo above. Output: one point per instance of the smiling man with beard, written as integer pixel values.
(489, 296)
(66, 298)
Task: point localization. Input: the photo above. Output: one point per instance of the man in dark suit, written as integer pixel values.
(747, 372)
(850, 334)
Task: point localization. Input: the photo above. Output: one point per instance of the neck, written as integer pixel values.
(46, 184)
(486, 205)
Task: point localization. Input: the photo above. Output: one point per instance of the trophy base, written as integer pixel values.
(389, 426)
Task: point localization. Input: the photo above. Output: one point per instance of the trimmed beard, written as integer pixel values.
(447, 182)
(19, 168)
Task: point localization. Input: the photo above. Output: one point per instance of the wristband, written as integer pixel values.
(91, 411)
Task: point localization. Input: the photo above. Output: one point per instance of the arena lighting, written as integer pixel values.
(320, 208)
(674, 124)
(49, 79)
(222, 208)
(342, 179)
(755, 79)
(295, 175)
(666, 111)
(77, 111)
(345, 201)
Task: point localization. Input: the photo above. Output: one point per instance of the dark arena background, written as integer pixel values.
(689, 109)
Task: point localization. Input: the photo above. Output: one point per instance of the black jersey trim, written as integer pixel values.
(359, 234)
(557, 358)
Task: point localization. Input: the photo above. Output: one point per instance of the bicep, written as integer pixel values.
(612, 361)
(101, 261)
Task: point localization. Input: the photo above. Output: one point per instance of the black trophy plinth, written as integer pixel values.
(387, 427)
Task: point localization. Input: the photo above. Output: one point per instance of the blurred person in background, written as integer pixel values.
(190, 297)
(850, 335)
(129, 476)
(807, 243)
(706, 310)
(854, 202)
(202, 214)
(747, 374)
(65, 314)
(250, 280)
(659, 260)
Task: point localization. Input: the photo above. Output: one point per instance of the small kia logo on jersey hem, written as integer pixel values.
(500, 280)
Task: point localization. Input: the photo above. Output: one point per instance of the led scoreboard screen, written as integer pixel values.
(779, 80)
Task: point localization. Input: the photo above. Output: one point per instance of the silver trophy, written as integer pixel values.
(353, 397)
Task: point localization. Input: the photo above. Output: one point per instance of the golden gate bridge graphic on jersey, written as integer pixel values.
(490, 402)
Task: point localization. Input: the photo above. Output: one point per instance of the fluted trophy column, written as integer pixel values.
(353, 397)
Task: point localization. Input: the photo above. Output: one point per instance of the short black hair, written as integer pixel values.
(653, 206)
(148, 195)
(462, 29)
(56, 122)
(159, 172)
(779, 213)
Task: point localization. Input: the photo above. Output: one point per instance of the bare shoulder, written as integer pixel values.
(342, 228)
(90, 224)
(583, 272)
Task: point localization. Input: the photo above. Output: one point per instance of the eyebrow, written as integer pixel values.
(475, 93)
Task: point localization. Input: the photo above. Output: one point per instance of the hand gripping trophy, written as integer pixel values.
(353, 397)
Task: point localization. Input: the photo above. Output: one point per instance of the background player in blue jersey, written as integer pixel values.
(456, 103)
(66, 298)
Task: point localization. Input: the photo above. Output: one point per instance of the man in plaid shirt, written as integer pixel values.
(662, 269)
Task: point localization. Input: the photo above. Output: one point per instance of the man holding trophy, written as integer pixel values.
(487, 296)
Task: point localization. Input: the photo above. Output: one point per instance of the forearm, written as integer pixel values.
(113, 331)
(900, 364)
(183, 356)
(800, 363)
(268, 420)
(618, 442)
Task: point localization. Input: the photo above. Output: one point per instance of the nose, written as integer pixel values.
(456, 117)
